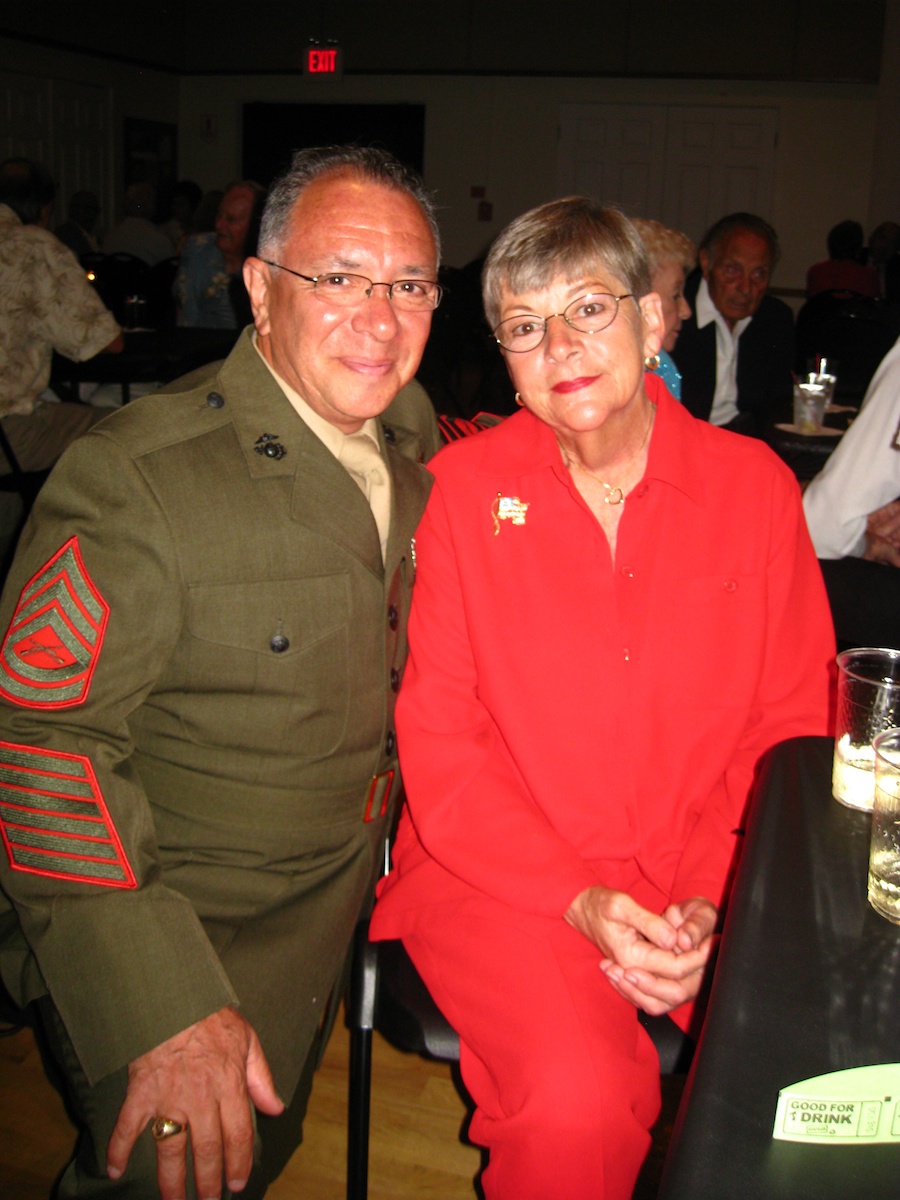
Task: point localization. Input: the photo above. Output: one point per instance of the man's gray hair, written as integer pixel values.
(364, 162)
(568, 238)
(747, 223)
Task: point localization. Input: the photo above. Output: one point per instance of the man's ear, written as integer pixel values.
(258, 281)
(703, 259)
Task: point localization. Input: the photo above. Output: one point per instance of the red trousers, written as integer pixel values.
(565, 1079)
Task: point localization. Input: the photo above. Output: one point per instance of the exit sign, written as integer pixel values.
(322, 62)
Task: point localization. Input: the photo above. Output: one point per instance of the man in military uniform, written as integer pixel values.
(205, 632)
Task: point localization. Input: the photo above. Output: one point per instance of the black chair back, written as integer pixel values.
(853, 332)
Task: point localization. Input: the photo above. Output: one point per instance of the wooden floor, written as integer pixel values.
(416, 1150)
(416, 1146)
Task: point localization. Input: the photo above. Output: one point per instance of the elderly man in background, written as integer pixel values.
(735, 352)
(210, 262)
(197, 735)
(46, 304)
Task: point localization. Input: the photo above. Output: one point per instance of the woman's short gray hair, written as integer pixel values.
(569, 237)
(665, 245)
(365, 162)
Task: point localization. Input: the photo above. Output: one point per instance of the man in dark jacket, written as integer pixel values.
(735, 352)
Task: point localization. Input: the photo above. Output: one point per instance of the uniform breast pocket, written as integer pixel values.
(715, 637)
(269, 665)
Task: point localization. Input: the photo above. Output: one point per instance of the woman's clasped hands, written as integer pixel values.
(654, 961)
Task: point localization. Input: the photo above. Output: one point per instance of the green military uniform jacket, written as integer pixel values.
(197, 686)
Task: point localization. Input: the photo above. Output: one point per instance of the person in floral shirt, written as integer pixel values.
(46, 304)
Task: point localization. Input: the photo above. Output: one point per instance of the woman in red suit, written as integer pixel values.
(617, 611)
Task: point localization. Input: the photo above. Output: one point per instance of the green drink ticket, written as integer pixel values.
(855, 1107)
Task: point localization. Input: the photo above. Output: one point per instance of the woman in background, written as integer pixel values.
(672, 257)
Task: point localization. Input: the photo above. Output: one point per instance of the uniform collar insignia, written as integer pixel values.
(269, 445)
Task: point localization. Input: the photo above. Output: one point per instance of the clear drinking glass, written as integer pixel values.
(809, 406)
(884, 855)
(828, 382)
(868, 704)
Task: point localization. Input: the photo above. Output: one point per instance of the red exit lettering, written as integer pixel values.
(321, 61)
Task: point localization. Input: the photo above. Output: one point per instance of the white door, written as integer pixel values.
(684, 165)
(718, 160)
(615, 152)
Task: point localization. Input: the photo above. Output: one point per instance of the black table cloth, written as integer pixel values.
(807, 982)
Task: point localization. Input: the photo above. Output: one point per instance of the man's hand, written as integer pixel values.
(883, 535)
(655, 962)
(204, 1077)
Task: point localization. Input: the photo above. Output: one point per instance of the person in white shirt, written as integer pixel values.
(136, 234)
(853, 514)
(851, 505)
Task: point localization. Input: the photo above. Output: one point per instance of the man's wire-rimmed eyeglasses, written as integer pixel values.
(337, 287)
(588, 314)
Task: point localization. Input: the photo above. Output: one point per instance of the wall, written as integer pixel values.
(799, 40)
(131, 91)
(501, 133)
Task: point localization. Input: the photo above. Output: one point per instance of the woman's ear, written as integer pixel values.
(653, 324)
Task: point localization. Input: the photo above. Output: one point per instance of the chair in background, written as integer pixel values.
(853, 332)
(160, 300)
(387, 993)
(16, 482)
(26, 483)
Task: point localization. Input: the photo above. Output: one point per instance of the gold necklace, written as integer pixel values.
(614, 495)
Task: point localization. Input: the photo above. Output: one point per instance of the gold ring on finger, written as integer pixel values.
(165, 1127)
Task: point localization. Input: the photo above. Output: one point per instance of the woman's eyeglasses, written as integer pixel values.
(588, 314)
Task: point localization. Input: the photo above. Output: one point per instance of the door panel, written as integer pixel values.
(685, 165)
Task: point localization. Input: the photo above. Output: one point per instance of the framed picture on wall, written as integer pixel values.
(151, 155)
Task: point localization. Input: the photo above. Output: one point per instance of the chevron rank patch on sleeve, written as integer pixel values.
(54, 820)
(54, 639)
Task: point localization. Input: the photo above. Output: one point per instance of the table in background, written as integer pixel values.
(807, 982)
(150, 356)
(807, 454)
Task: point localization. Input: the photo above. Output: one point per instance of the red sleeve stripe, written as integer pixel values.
(54, 820)
(53, 641)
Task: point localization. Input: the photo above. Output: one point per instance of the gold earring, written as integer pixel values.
(651, 363)
(519, 400)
